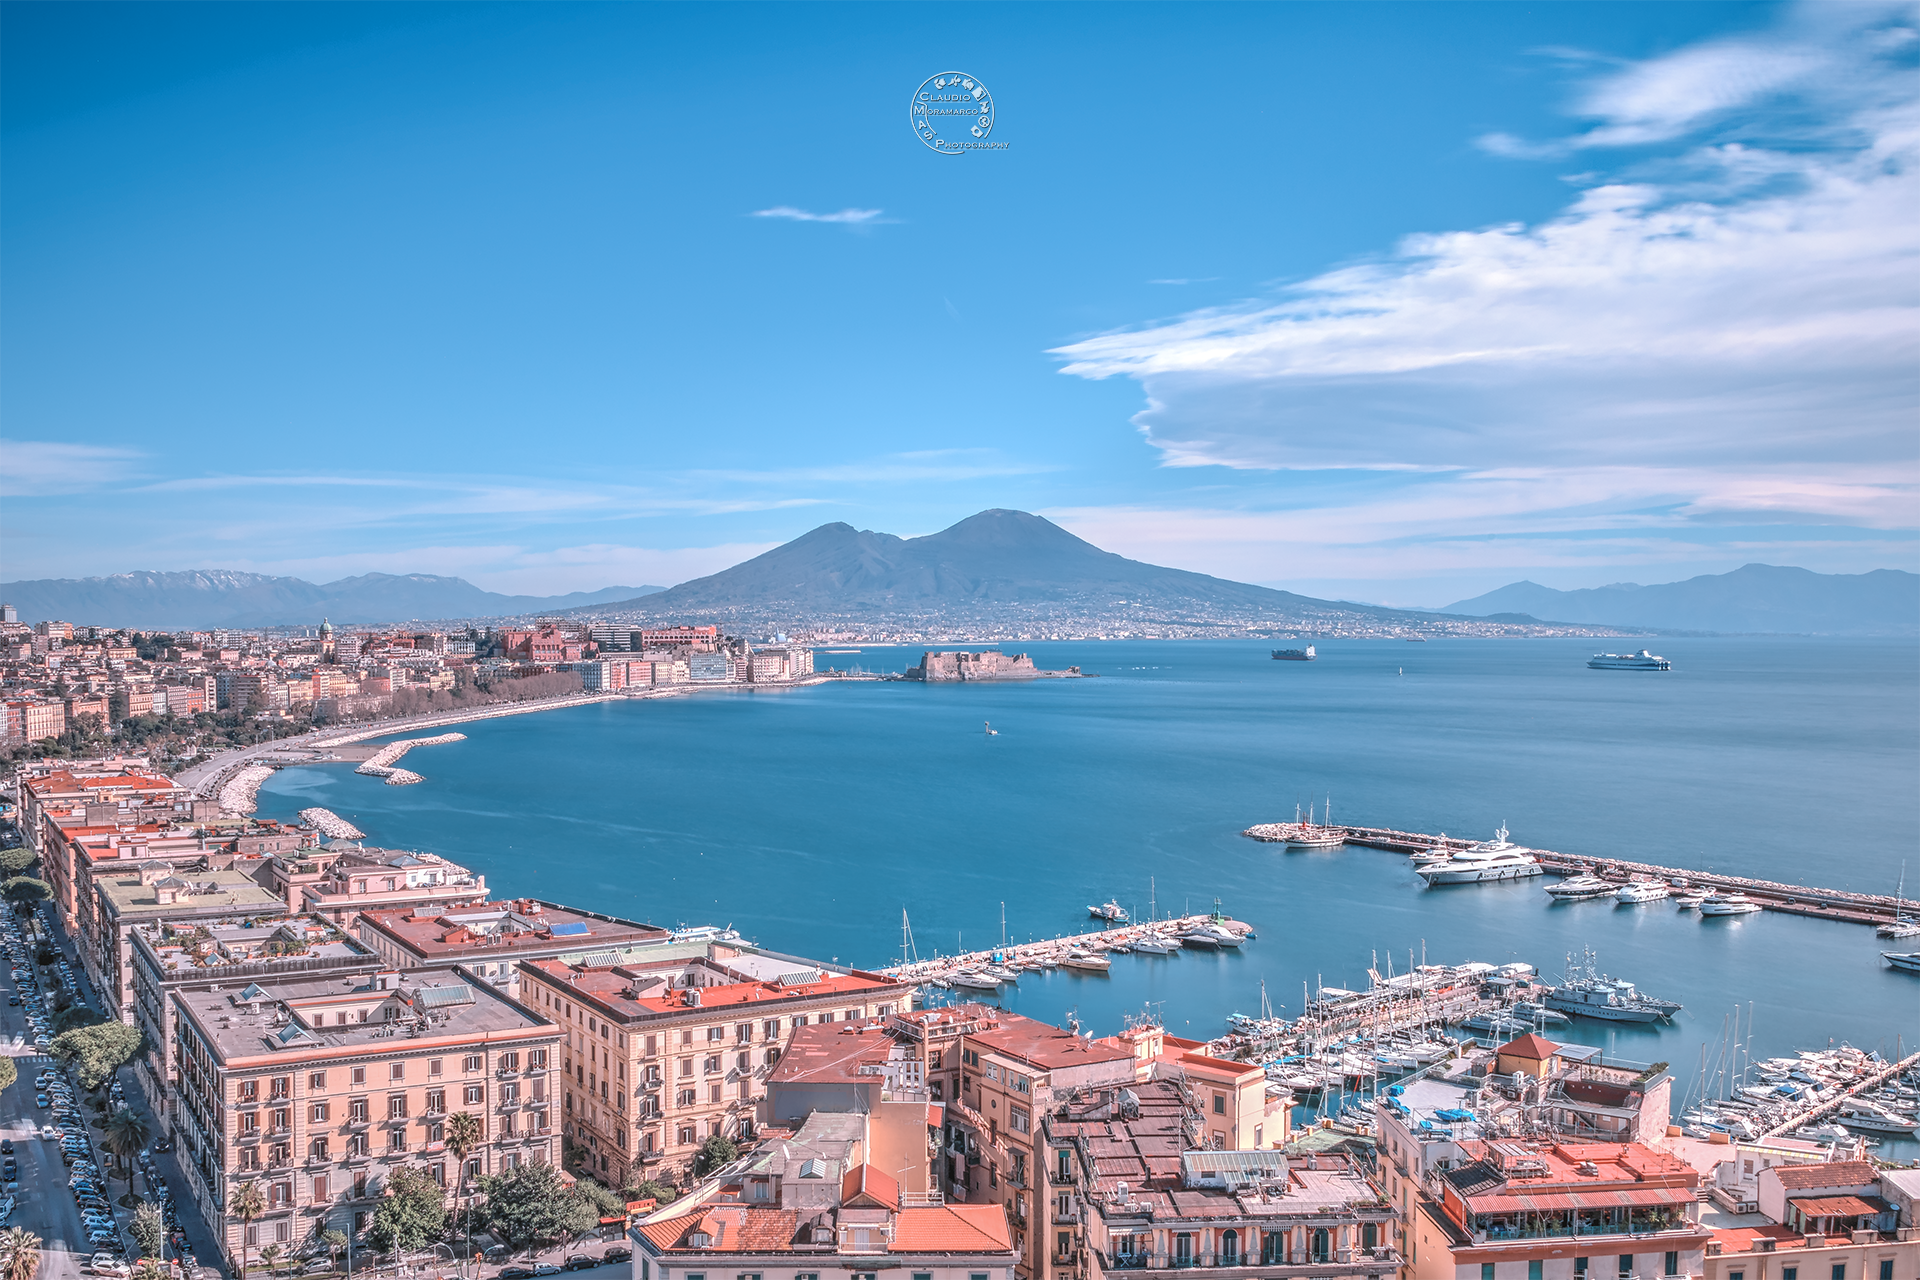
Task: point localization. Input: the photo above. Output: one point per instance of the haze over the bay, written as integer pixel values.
(1399, 311)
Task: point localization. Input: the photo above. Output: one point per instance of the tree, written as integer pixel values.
(335, 1240)
(246, 1203)
(149, 1269)
(463, 1134)
(8, 1072)
(149, 1231)
(74, 1015)
(716, 1152)
(126, 1132)
(411, 1216)
(25, 889)
(20, 1254)
(98, 1051)
(14, 862)
(270, 1254)
(655, 1190)
(527, 1206)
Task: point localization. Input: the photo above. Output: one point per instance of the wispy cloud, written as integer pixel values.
(32, 468)
(1735, 333)
(846, 217)
(1185, 280)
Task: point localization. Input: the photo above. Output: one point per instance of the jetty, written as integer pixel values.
(1048, 953)
(1808, 1115)
(1804, 900)
(380, 764)
(330, 824)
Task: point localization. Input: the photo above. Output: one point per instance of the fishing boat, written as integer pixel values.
(1728, 904)
(1110, 911)
(1087, 961)
(1580, 887)
(1637, 891)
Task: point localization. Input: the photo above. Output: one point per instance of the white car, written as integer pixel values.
(105, 1264)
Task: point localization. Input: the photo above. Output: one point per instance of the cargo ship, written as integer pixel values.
(1641, 661)
(1293, 655)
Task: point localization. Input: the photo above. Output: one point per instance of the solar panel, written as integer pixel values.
(440, 997)
(574, 930)
(799, 978)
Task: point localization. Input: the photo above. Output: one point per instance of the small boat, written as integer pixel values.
(1642, 891)
(974, 981)
(991, 731)
(1087, 961)
(1728, 904)
(1901, 927)
(1690, 899)
(1154, 944)
(1908, 960)
(1110, 911)
(1878, 1120)
(1000, 973)
(1210, 937)
(1539, 1014)
(1580, 887)
(1118, 948)
(1433, 854)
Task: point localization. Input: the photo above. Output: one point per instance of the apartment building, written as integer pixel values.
(666, 1047)
(812, 1204)
(492, 938)
(1827, 1220)
(316, 1088)
(96, 794)
(341, 881)
(1130, 1190)
(149, 894)
(205, 955)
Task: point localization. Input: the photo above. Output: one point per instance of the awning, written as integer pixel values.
(1840, 1207)
(1551, 1202)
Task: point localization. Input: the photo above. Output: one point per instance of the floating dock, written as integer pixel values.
(1826, 904)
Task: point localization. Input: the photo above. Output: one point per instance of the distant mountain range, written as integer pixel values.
(1753, 598)
(203, 598)
(995, 559)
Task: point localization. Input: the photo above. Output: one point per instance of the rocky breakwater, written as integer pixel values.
(381, 763)
(958, 666)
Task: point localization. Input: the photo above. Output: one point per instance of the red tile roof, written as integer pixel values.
(870, 1184)
(1740, 1239)
(732, 1229)
(951, 1228)
(1834, 1173)
(1536, 1047)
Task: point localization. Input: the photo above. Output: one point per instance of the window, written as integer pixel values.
(320, 1189)
(1182, 1247)
(397, 1107)
(1486, 1271)
(316, 1080)
(249, 1091)
(1672, 1264)
(685, 1137)
(319, 1113)
(1839, 1271)
(476, 1095)
(716, 1033)
(1063, 1244)
(1017, 1120)
(686, 1098)
(249, 1122)
(1886, 1269)
(1219, 1104)
(713, 1093)
(923, 1275)
(1063, 1163)
(397, 1071)
(853, 1015)
(537, 1059)
(711, 1065)
(1789, 1273)
(1579, 1266)
(1230, 1249)
(436, 1100)
(359, 1075)
(1322, 1244)
(933, 1060)
(282, 1085)
(806, 1275)
(827, 1016)
(686, 1066)
(433, 1066)
(1535, 1269)
(1626, 1266)
(473, 1062)
(744, 1061)
(770, 1028)
(1273, 1248)
(772, 1056)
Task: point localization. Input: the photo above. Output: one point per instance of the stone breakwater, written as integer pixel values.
(237, 793)
(330, 824)
(381, 763)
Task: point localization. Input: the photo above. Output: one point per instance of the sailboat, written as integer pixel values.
(991, 731)
(1308, 836)
(1902, 925)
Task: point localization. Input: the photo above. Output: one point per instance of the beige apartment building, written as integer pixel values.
(665, 1047)
(316, 1088)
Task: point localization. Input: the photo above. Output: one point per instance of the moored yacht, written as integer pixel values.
(1642, 891)
(1908, 960)
(1575, 888)
(1728, 904)
(1495, 859)
(1155, 945)
(1110, 911)
(1087, 961)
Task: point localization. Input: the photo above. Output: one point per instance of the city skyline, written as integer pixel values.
(553, 299)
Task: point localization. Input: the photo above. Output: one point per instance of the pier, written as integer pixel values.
(1826, 904)
(1807, 1115)
(1048, 952)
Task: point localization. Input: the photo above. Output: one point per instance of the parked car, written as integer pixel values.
(6, 1146)
(619, 1253)
(581, 1262)
(545, 1269)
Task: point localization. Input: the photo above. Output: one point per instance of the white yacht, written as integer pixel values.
(1495, 859)
(1576, 888)
(1642, 891)
(1728, 904)
(1154, 945)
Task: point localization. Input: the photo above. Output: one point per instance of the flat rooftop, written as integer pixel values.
(208, 948)
(522, 926)
(138, 894)
(313, 1015)
(635, 992)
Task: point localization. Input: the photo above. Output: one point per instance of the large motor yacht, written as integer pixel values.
(1495, 859)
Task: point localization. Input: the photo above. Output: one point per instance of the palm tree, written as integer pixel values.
(20, 1253)
(463, 1135)
(246, 1203)
(125, 1133)
(270, 1254)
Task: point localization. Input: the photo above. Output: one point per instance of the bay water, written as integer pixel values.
(810, 819)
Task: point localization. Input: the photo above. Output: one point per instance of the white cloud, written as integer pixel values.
(32, 468)
(1740, 335)
(846, 217)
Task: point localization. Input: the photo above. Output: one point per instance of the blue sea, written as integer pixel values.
(810, 819)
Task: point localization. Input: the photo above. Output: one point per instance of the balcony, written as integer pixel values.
(395, 1152)
(319, 1161)
(1241, 1266)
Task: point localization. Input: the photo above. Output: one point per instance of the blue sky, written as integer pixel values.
(1395, 303)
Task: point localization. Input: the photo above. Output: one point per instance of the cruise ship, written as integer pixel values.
(1641, 661)
(1495, 859)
